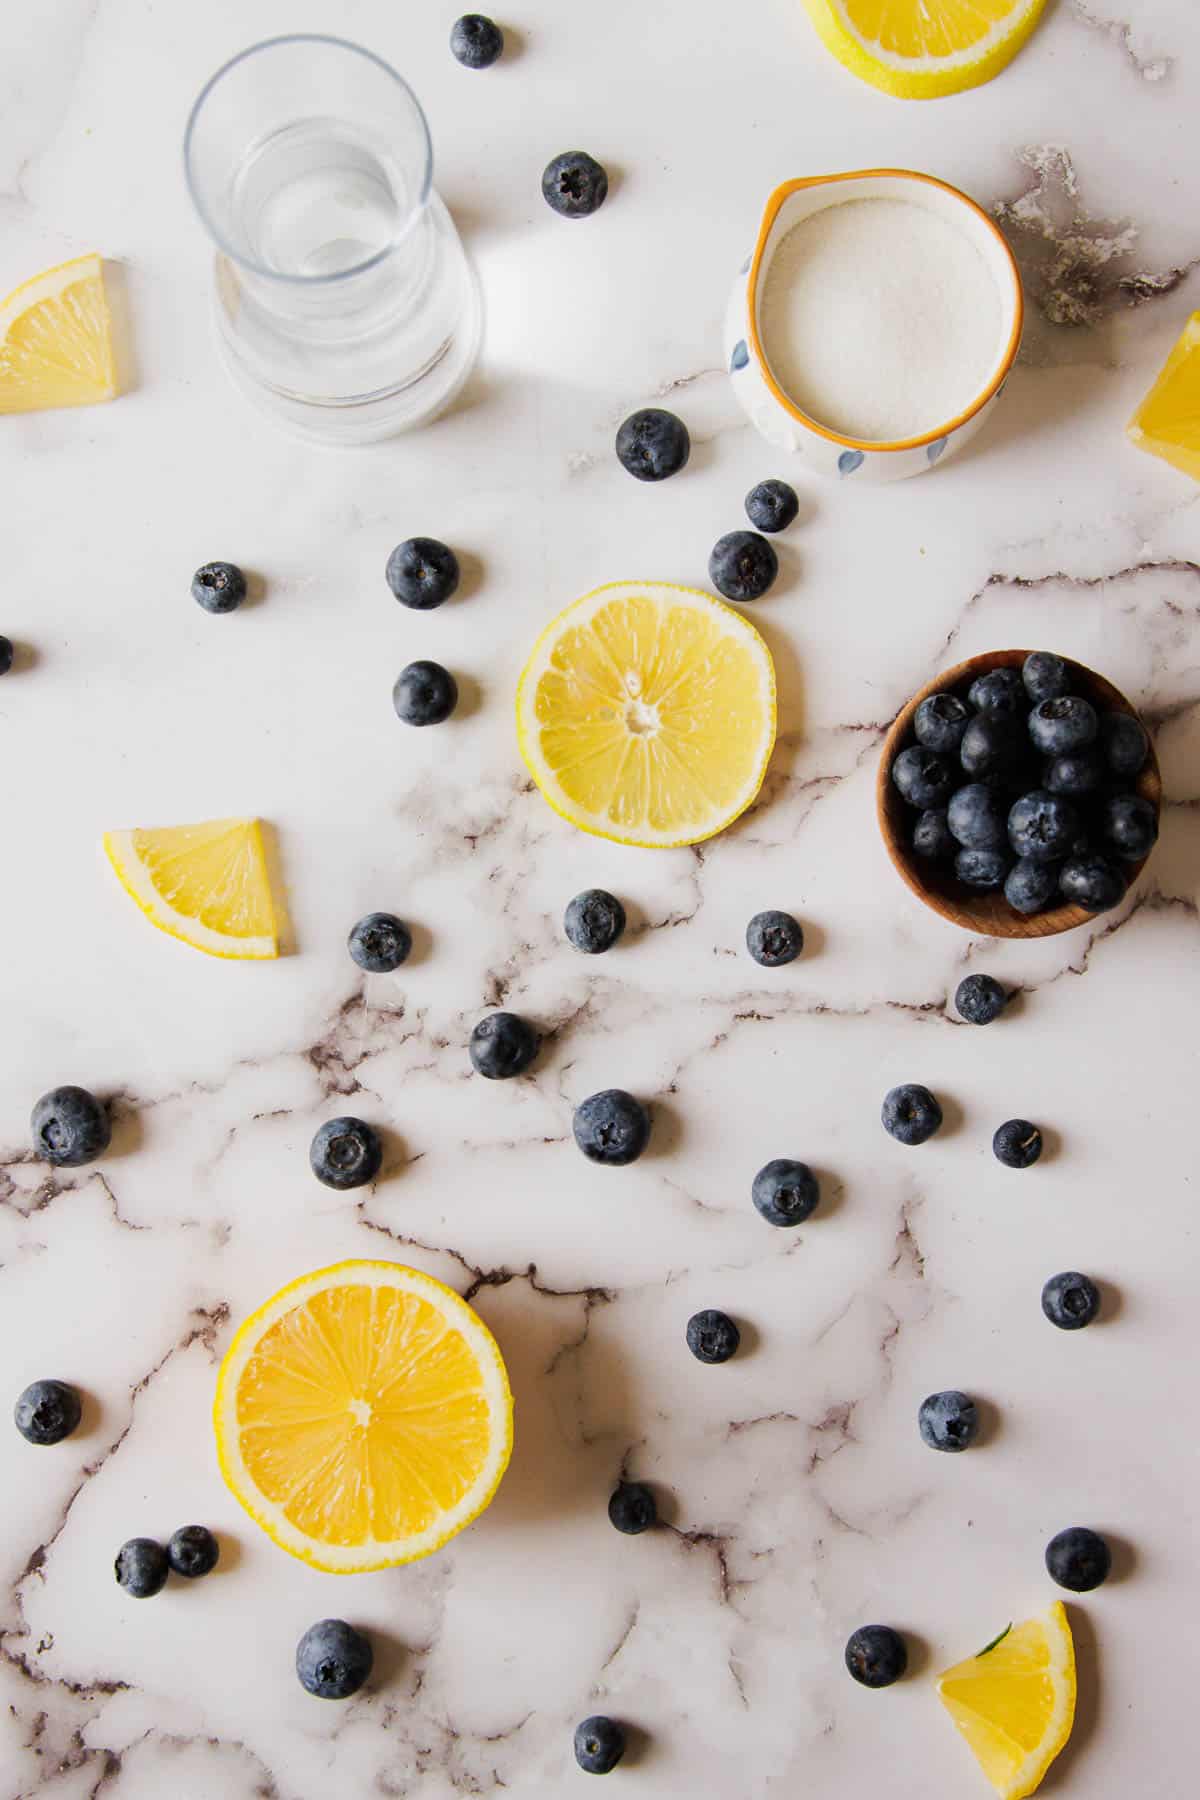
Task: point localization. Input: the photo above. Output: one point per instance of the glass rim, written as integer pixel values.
(324, 40)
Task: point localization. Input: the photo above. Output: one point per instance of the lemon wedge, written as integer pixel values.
(56, 340)
(1014, 1703)
(206, 884)
(363, 1416)
(646, 713)
(1167, 423)
(922, 49)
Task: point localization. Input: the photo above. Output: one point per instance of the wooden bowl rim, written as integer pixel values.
(889, 805)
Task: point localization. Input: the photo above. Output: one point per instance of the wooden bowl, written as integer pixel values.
(987, 915)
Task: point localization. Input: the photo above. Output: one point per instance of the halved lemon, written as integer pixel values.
(206, 884)
(922, 49)
(363, 1416)
(56, 340)
(646, 713)
(1167, 423)
(1014, 1703)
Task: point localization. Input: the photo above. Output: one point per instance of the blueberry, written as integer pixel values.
(774, 938)
(594, 921)
(742, 565)
(599, 1745)
(1043, 826)
(611, 1127)
(422, 573)
(772, 505)
(424, 694)
(632, 1508)
(653, 444)
(1045, 675)
(876, 1655)
(1017, 1144)
(1030, 886)
(70, 1127)
(141, 1568)
(502, 1045)
(333, 1660)
(924, 778)
(1070, 1300)
(1076, 774)
(219, 587)
(984, 870)
(932, 836)
(1129, 825)
(712, 1337)
(345, 1153)
(476, 41)
(193, 1551)
(379, 943)
(7, 653)
(1124, 743)
(991, 745)
(574, 185)
(47, 1412)
(1078, 1559)
(948, 1421)
(980, 999)
(977, 817)
(940, 721)
(1001, 693)
(1090, 880)
(785, 1192)
(1064, 724)
(910, 1113)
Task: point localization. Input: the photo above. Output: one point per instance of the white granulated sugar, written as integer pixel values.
(880, 319)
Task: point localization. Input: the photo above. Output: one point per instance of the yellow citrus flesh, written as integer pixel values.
(1167, 423)
(56, 340)
(363, 1416)
(646, 713)
(1015, 1702)
(922, 49)
(206, 884)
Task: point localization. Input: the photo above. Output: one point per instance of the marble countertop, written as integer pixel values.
(800, 1500)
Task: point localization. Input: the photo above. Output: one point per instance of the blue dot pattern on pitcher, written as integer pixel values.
(850, 460)
(936, 450)
(741, 356)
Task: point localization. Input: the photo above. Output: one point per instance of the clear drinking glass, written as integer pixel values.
(345, 303)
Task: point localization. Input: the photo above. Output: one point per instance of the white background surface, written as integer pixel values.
(802, 1500)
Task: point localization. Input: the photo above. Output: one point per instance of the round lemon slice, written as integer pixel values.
(363, 1416)
(922, 49)
(646, 713)
(206, 884)
(56, 340)
(1014, 1703)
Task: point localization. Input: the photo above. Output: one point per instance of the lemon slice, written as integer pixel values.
(921, 49)
(56, 340)
(363, 1416)
(206, 884)
(1015, 1702)
(1167, 423)
(646, 713)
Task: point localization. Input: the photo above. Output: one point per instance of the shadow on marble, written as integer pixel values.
(750, 1337)
(391, 1656)
(791, 572)
(277, 877)
(256, 589)
(1088, 1703)
(833, 1193)
(991, 1423)
(470, 697)
(395, 1156)
(128, 1132)
(920, 1656)
(1052, 1143)
(423, 941)
(1125, 1558)
(953, 1116)
(91, 1413)
(124, 339)
(666, 1130)
(472, 573)
(231, 1555)
(1112, 1301)
(25, 658)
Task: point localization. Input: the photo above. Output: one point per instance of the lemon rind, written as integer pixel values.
(1029, 1776)
(47, 285)
(545, 779)
(131, 873)
(351, 1560)
(928, 77)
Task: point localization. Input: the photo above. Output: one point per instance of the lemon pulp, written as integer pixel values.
(56, 340)
(206, 884)
(1014, 1703)
(646, 713)
(921, 49)
(363, 1416)
(1167, 423)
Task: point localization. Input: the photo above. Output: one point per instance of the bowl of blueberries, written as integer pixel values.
(1019, 794)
